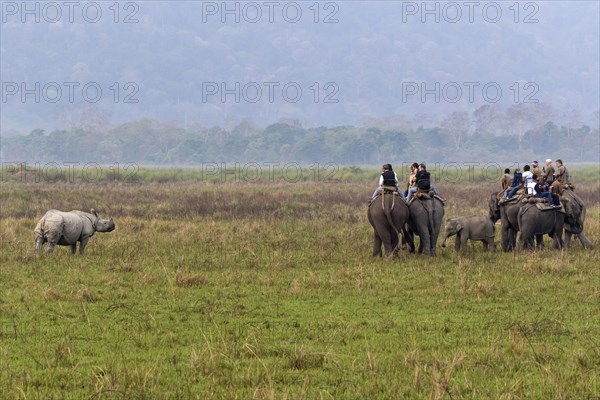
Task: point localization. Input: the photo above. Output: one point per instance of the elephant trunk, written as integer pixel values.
(447, 234)
(494, 211)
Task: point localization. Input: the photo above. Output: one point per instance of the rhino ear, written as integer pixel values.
(93, 212)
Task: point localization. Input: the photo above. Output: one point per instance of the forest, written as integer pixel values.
(517, 134)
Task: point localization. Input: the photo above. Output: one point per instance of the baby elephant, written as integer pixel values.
(68, 228)
(474, 228)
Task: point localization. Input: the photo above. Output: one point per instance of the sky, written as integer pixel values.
(321, 63)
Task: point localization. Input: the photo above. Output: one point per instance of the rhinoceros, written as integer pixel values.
(68, 228)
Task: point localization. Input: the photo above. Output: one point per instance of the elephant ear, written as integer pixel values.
(459, 226)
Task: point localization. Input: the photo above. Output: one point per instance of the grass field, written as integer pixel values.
(268, 290)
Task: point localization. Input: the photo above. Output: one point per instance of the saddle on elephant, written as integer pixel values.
(426, 194)
(542, 203)
(517, 197)
(390, 189)
(519, 193)
(385, 189)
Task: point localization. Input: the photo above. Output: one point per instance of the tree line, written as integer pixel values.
(456, 138)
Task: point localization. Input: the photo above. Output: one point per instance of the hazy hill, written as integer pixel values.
(169, 53)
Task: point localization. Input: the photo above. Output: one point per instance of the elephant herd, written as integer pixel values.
(391, 216)
(394, 223)
(533, 222)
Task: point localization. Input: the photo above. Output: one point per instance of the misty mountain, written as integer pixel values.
(325, 63)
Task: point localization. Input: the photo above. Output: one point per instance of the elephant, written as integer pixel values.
(388, 214)
(578, 210)
(426, 216)
(507, 213)
(474, 228)
(533, 221)
(68, 228)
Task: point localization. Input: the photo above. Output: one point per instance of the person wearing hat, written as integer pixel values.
(535, 168)
(548, 172)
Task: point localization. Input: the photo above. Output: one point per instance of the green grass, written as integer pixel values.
(270, 291)
(257, 173)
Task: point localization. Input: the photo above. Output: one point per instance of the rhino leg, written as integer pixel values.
(52, 237)
(83, 243)
(50, 248)
(39, 242)
(74, 248)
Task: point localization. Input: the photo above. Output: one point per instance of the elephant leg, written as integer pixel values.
(376, 245)
(436, 234)
(505, 238)
(539, 239)
(425, 243)
(556, 243)
(567, 239)
(463, 242)
(484, 245)
(523, 241)
(386, 239)
(420, 249)
(457, 243)
(410, 240)
(513, 238)
(395, 244)
(559, 239)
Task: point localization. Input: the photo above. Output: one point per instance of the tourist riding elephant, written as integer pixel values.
(388, 215)
(426, 216)
(507, 213)
(578, 209)
(533, 221)
(475, 227)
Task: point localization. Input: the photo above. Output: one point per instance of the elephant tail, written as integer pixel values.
(522, 212)
(388, 214)
(408, 239)
(431, 215)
